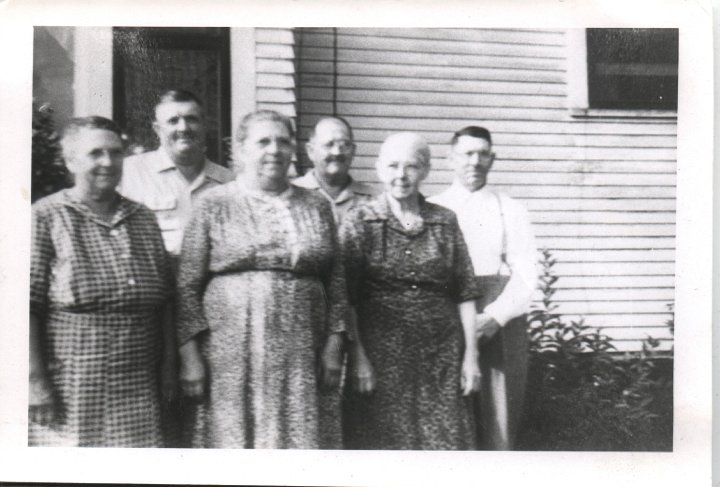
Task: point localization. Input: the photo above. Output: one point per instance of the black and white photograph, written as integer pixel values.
(346, 243)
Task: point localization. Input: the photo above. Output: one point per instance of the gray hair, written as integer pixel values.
(412, 140)
(77, 125)
(262, 116)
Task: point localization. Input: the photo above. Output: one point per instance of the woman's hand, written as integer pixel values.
(331, 361)
(41, 403)
(470, 375)
(362, 375)
(192, 370)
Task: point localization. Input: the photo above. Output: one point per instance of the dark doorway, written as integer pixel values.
(151, 60)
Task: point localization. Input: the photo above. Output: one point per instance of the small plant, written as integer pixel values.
(582, 395)
(49, 173)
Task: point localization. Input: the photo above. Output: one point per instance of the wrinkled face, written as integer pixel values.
(401, 170)
(267, 152)
(181, 129)
(331, 150)
(472, 158)
(95, 157)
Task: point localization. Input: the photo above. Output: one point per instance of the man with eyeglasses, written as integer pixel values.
(331, 149)
(502, 248)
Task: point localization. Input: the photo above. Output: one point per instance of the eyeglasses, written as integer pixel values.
(344, 146)
(484, 156)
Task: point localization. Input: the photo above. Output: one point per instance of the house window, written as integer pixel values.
(149, 61)
(634, 69)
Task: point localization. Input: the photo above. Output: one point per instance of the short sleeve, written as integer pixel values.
(193, 273)
(42, 254)
(466, 285)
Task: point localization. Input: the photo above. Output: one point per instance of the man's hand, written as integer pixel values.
(485, 327)
(331, 361)
(192, 371)
(362, 375)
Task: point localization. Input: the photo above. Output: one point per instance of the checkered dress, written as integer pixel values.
(98, 288)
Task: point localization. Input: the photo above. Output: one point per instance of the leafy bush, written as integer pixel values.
(49, 173)
(582, 395)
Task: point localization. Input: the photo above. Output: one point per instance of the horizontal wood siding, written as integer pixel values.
(601, 192)
(275, 70)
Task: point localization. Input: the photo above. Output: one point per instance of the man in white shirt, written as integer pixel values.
(502, 248)
(331, 149)
(169, 179)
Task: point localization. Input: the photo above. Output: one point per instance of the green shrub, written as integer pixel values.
(583, 395)
(49, 173)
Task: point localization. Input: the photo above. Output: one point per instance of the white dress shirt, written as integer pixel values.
(153, 180)
(479, 216)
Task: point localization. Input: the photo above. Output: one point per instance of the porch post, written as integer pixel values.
(93, 86)
(242, 74)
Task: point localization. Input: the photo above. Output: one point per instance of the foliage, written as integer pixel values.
(49, 173)
(582, 395)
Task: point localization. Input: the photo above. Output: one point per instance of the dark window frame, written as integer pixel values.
(632, 69)
(215, 39)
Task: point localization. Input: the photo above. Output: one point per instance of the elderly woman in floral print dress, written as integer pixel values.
(262, 299)
(414, 363)
(99, 287)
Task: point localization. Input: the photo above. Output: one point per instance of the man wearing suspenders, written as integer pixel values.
(502, 248)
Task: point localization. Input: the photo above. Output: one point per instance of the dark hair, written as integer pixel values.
(263, 116)
(177, 96)
(334, 117)
(471, 131)
(76, 125)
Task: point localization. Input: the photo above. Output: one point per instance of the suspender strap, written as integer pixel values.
(503, 254)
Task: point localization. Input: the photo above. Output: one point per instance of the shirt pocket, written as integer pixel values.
(165, 208)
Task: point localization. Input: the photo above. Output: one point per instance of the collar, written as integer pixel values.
(310, 181)
(125, 208)
(431, 214)
(216, 172)
(163, 162)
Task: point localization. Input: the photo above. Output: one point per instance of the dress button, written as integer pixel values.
(131, 282)
(114, 232)
(413, 286)
(125, 256)
(408, 252)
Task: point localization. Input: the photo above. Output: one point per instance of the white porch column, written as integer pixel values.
(243, 97)
(93, 84)
(577, 77)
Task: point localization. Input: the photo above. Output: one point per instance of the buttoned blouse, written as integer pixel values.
(154, 180)
(82, 263)
(381, 254)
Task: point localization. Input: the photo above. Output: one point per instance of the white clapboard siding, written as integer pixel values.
(275, 70)
(600, 191)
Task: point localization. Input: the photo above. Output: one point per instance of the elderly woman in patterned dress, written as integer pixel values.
(99, 284)
(414, 363)
(262, 300)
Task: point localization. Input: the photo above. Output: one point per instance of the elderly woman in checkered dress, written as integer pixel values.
(101, 345)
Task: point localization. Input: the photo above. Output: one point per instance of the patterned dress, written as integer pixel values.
(260, 285)
(98, 288)
(405, 286)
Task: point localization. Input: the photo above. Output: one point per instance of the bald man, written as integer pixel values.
(331, 149)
